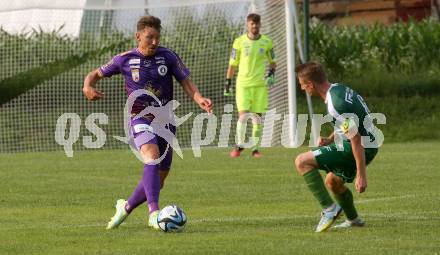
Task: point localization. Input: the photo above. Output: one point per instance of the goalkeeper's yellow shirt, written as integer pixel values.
(251, 57)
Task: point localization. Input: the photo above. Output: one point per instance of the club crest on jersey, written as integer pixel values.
(261, 51)
(162, 69)
(135, 75)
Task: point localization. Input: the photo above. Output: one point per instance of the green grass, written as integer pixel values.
(51, 204)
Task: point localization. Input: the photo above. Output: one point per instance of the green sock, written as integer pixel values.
(345, 200)
(241, 133)
(256, 133)
(316, 185)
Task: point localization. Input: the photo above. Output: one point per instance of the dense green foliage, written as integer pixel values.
(402, 48)
(52, 204)
(46, 55)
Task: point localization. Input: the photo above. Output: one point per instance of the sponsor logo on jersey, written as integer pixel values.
(135, 75)
(147, 63)
(134, 61)
(161, 61)
(162, 69)
(247, 50)
(143, 128)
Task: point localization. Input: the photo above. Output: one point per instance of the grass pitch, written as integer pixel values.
(51, 204)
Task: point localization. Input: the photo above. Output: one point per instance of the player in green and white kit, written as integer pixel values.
(250, 54)
(344, 155)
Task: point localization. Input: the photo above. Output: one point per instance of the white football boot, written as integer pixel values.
(351, 223)
(328, 217)
(152, 220)
(119, 216)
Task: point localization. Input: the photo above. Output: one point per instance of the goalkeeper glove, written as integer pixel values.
(228, 90)
(270, 77)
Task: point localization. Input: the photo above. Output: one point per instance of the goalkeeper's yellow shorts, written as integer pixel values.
(252, 99)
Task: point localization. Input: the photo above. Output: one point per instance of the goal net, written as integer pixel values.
(48, 48)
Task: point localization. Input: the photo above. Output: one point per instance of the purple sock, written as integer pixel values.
(151, 181)
(136, 198)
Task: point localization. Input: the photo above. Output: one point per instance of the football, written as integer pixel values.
(171, 219)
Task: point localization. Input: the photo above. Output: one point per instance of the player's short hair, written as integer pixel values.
(149, 21)
(311, 71)
(253, 17)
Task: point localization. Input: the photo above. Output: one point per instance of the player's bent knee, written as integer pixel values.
(300, 163)
(256, 118)
(243, 116)
(305, 162)
(334, 183)
(329, 183)
(149, 152)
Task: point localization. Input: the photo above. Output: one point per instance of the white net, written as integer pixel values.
(48, 48)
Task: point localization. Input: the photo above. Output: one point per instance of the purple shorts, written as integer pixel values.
(143, 133)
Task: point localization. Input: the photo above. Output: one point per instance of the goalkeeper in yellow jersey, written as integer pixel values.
(253, 55)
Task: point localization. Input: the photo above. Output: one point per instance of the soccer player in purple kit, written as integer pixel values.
(150, 67)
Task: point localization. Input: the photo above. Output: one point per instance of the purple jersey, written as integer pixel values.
(152, 73)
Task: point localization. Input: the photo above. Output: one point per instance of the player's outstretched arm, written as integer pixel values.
(359, 156)
(89, 89)
(191, 90)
